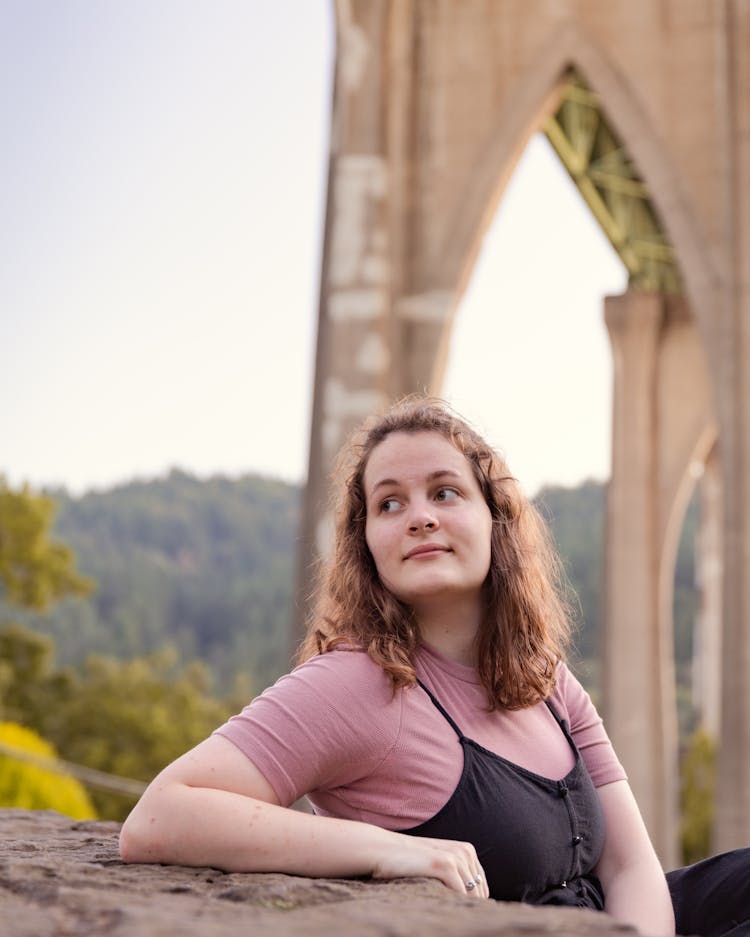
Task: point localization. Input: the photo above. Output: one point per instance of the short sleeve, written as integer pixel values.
(587, 730)
(328, 723)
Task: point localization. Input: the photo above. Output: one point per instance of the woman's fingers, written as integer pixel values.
(475, 882)
(480, 889)
(454, 863)
(457, 873)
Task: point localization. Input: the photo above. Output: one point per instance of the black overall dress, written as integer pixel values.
(538, 840)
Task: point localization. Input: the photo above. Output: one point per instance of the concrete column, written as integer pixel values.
(637, 665)
(733, 788)
(353, 347)
(708, 623)
(424, 321)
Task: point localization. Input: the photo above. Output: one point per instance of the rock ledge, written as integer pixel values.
(60, 878)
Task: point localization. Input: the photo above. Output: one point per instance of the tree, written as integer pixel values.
(131, 718)
(697, 796)
(124, 718)
(204, 566)
(127, 718)
(34, 570)
(31, 691)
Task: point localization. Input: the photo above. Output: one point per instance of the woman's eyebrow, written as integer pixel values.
(452, 473)
(438, 473)
(382, 483)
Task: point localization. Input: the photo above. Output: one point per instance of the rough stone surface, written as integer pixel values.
(60, 877)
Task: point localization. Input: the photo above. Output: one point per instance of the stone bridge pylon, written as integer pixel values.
(647, 103)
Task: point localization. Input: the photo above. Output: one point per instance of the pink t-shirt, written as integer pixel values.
(334, 729)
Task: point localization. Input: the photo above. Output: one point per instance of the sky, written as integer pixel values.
(162, 185)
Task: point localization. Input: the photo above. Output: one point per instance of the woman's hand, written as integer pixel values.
(454, 863)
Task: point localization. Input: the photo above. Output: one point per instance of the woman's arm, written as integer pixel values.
(213, 807)
(635, 889)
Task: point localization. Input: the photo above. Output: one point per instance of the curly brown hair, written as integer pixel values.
(525, 629)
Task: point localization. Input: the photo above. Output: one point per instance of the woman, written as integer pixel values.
(438, 615)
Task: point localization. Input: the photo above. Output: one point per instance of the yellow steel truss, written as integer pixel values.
(606, 177)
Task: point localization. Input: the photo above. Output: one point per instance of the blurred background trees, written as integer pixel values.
(123, 717)
(34, 570)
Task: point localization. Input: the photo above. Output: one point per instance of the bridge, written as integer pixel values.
(647, 104)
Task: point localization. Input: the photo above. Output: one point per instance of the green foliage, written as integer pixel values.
(31, 691)
(697, 796)
(684, 606)
(28, 786)
(126, 718)
(576, 517)
(34, 570)
(206, 567)
(132, 718)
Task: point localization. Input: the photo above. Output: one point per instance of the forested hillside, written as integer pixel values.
(207, 567)
(576, 517)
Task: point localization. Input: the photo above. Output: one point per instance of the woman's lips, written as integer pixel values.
(426, 550)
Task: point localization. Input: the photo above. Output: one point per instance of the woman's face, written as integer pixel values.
(428, 526)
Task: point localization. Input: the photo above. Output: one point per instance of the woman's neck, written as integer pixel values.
(451, 630)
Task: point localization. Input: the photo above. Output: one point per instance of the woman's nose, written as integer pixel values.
(422, 518)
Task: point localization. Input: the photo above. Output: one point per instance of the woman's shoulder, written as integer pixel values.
(333, 719)
(571, 697)
(347, 669)
(340, 681)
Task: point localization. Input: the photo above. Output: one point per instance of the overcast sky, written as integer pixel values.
(161, 196)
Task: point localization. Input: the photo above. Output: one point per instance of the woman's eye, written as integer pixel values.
(389, 505)
(446, 494)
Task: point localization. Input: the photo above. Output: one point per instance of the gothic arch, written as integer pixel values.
(537, 96)
(676, 503)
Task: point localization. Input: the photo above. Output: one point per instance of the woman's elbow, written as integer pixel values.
(131, 847)
(142, 836)
(135, 844)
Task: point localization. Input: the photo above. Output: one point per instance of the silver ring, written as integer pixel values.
(470, 885)
(478, 879)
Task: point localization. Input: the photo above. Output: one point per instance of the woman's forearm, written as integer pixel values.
(639, 896)
(176, 823)
(635, 889)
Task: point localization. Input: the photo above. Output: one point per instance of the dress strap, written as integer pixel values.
(558, 719)
(563, 723)
(440, 709)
